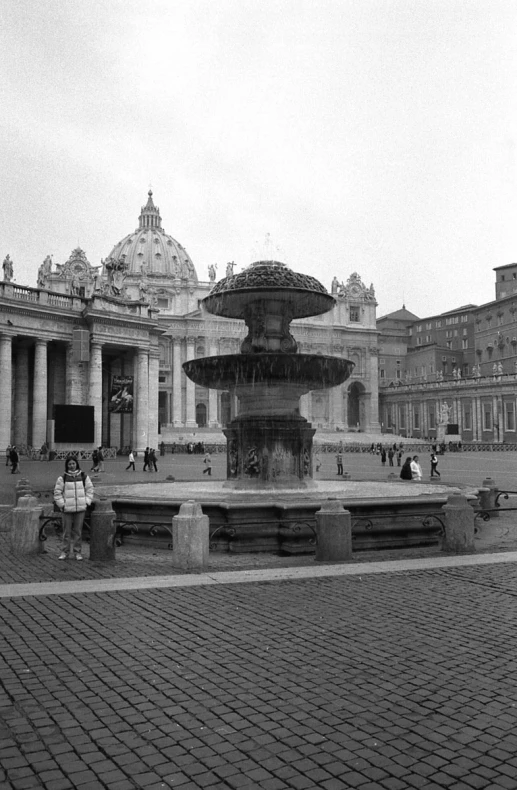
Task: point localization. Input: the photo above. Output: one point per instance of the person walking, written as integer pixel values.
(339, 462)
(73, 493)
(8, 455)
(399, 457)
(152, 460)
(131, 461)
(416, 469)
(101, 460)
(208, 464)
(14, 459)
(146, 460)
(434, 465)
(95, 461)
(405, 472)
(391, 454)
(383, 457)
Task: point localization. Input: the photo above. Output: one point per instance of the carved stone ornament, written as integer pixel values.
(356, 289)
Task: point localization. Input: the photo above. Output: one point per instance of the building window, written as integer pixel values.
(449, 343)
(438, 324)
(398, 373)
(467, 417)
(428, 326)
(487, 417)
(162, 354)
(402, 416)
(382, 373)
(432, 417)
(509, 416)
(162, 303)
(416, 418)
(355, 314)
(465, 343)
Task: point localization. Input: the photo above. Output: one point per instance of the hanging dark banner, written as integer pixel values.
(121, 399)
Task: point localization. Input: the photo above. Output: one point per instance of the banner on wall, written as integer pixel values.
(121, 399)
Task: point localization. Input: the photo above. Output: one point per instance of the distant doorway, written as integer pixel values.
(356, 406)
(201, 415)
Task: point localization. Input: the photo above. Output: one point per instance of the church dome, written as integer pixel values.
(149, 250)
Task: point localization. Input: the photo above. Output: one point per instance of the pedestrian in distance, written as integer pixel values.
(152, 460)
(100, 465)
(146, 459)
(14, 459)
(399, 457)
(95, 461)
(208, 464)
(8, 455)
(405, 472)
(73, 493)
(131, 461)
(339, 462)
(383, 457)
(416, 469)
(391, 454)
(434, 465)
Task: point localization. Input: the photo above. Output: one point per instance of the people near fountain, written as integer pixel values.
(416, 469)
(207, 460)
(391, 455)
(146, 460)
(131, 461)
(434, 465)
(73, 493)
(383, 456)
(153, 466)
(399, 457)
(339, 462)
(405, 472)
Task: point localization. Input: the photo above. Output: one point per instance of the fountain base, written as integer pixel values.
(270, 452)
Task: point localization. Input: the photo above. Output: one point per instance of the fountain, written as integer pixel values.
(269, 444)
(269, 499)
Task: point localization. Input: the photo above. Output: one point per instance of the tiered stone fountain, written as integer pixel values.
(269, 444)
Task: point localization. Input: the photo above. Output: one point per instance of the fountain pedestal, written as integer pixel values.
(269, 452)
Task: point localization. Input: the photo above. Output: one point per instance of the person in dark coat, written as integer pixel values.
(146, 460)
(405, 472)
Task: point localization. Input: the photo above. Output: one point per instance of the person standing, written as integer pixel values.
(8, 455)
(339, 462)
(14, 458)
(434, 465)
(101, 460)
(383, 457)
(391, 453)
(95, 461)
(146, 460)
(152, 460)
(416, 469)
(131, 461)
(399, 457)
(208, 464)
(405, 472)
(73, 493)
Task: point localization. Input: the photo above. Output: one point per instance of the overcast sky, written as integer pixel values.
(369, 136)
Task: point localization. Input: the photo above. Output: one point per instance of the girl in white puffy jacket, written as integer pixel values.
(73, 493)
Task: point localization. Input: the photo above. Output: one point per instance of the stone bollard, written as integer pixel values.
(190, 538)
(333, 533)
(102, 531)
(488, 495)
(22, 488)
(25, 526)
(459, 525)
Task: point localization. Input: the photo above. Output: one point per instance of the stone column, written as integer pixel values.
(142, 400)
(5, 390)
(177, 379)
(336, 406)
(373, 424)
(95, 390)
(74, 379)
(39, 406)
(154, 366)
(213, 417)
(190, 421)
(21, 395)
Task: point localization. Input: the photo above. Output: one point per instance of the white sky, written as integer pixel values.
(376, 136)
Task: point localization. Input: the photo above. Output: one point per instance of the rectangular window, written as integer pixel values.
(432, 417)
(487, 417)
(399, 373)
(438, 324)
(464, 343)
(354, 314)
(467, 417)
(382, 373)
(416, 418)
(428, 326)
(509, 416)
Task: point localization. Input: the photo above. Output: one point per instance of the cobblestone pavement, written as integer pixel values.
(404, 679)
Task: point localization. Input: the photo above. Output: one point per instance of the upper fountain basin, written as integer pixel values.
(312, 371)
(265, 280)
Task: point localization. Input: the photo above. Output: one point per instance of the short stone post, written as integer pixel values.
(25, 526)
(190, 537)
(102, 531)
(333, 533)
(22, 488)
(459, 525)
(488, 495)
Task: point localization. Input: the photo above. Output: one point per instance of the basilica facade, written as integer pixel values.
(112, 339)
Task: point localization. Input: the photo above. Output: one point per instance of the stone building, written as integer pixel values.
(462, 363)
(114, 337)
